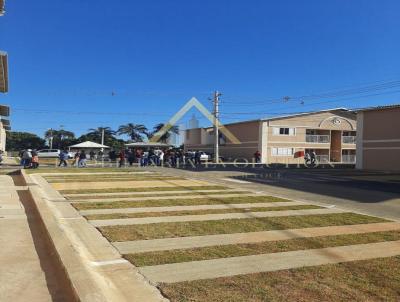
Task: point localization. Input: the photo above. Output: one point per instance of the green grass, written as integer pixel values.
(357, 281)
(108, 179)
(152, 189)
(236, 250)
(199, 212)
(229, 226)
(174, 202)
(100, 197)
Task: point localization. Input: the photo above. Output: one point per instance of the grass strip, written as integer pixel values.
(152, 189)
(236, 250)
(100, 197)
(102, 179)
(197, 212)
(366, 280)
(81, 170)
(229, 226)
(174, 202)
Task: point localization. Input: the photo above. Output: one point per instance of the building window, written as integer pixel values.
(284, 131)
(187, 134)
(282, 151)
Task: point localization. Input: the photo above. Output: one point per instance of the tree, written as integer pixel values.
(17, 141)
(163, 137)
(95, 134)
(134, 131)
(61, 138)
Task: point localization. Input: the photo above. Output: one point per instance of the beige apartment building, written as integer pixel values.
(331, 134)
(378, 138)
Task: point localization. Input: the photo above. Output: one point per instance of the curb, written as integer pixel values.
(93, 267)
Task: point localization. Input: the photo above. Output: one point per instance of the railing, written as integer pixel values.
(348, 139)
(318, 138)
(322, 158)
(348, 158)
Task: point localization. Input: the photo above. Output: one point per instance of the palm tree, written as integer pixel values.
(95, 134)
(165, 134)
(134, 131)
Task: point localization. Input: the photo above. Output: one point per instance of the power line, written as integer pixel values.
(314, 103)
(329, 94)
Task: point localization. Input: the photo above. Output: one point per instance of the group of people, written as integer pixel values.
(310, 158)
(29, 159)
(79, 159)
(155, 157)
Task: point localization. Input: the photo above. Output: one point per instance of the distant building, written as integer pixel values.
(378, 138)
(193, 123)
(331, 134)
(177, 139)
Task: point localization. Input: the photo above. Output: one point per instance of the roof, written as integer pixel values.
(4, 110)
(147, 144)
(305, 113)
(284, 116)
(3, 72)
(89, 144)
(392, 106)
(2, 11)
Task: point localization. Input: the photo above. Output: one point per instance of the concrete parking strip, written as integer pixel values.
(95, 173)
(192, 208)
(128, 184)
(141, 246)
(221, 196)
(208, 269)
(70, 196)
(149, 220)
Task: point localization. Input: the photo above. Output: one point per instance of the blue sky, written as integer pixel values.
(86, 63)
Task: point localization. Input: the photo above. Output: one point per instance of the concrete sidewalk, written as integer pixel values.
(27, 272)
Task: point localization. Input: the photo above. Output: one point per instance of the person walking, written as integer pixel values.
(82, 159)
(27, 158)
(313, 157)
(121, 158)
(35, 160)
(131, 157)
(197, 156)
(76, 158)
(257, 156)
(307, 158)
(91, 155)
(63, 158)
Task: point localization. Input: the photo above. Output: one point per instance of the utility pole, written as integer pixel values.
(51, 138)
(102, 138)
(216, 125)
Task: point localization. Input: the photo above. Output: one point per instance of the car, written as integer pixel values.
(52, 153)
(204, 156)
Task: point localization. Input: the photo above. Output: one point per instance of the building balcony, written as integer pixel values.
(349, 159)
(348, 139)
(319, 139)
